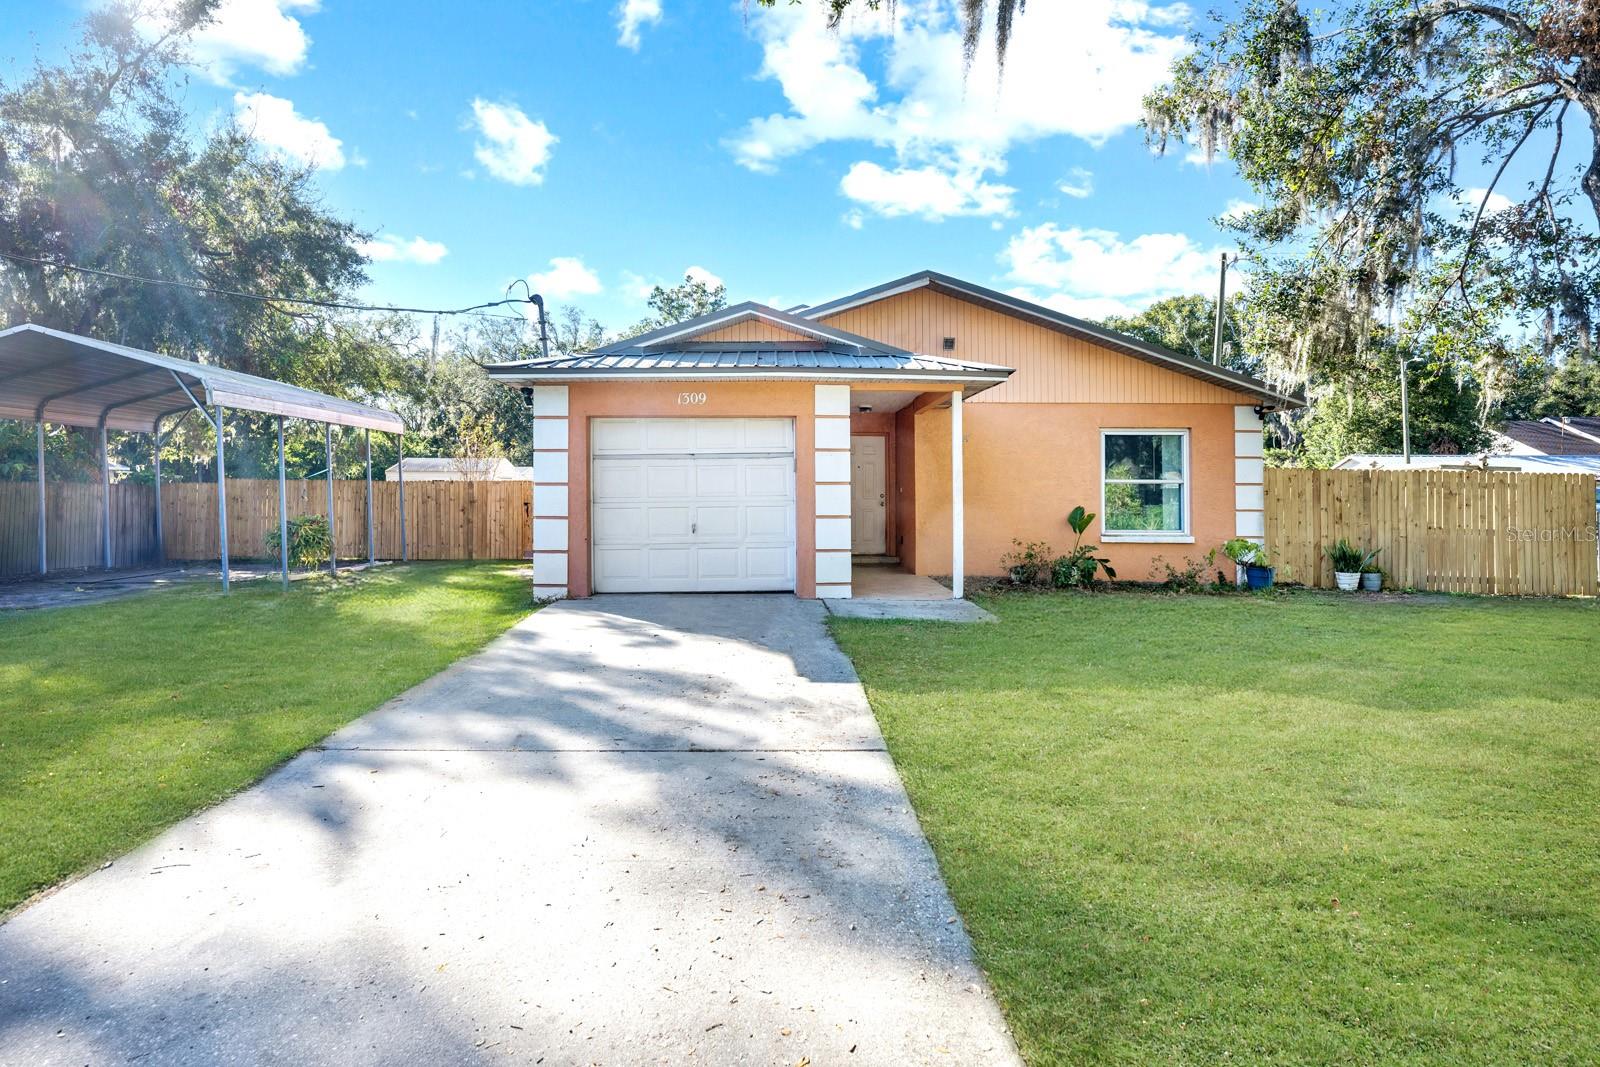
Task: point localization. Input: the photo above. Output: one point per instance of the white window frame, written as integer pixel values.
(1183, 536)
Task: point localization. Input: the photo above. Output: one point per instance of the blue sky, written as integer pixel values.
(599, 147)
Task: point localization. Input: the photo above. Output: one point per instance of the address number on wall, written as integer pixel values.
(691, 399)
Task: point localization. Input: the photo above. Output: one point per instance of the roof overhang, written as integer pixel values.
(1271, 398)
(971, 383)
(65, 378)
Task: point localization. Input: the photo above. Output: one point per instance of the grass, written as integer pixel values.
(118, 719)
(1298, 829)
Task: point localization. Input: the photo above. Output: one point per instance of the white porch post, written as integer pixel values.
(958, 505)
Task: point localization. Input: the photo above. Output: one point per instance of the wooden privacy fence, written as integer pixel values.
(444, 520)
(72, 513)
(1449, 531)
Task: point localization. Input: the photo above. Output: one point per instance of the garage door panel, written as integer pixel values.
(668, 435)
(666, 480)
(614, 523)
(719, 478)
(771, 564)
(717, 563)
(766, 522)
(718, 523)
(669, 564)
(618, 480)
(681, 505)
(763, 479)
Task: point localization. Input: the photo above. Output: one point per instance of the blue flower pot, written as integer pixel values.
(1258, 577)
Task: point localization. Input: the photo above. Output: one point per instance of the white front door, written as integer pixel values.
(692, 505)
(868, 502)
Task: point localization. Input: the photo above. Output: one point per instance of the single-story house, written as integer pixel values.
(927, 419)
(452, 469)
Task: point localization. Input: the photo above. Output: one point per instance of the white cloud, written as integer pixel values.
(636, 286)
(1471, 198)
(854, 219)
(930, 191)
(252, 33)
(1079, 69)
(274, 122)
(1079, 183)
(634, 15)
(700, 274)
(514, 147)
(1095, 273)
(566, 278)
(388, 248)
(1237, 209)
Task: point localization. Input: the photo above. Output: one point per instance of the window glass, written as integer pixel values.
(1144, 479)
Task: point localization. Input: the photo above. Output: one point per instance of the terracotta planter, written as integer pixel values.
(1348, 580)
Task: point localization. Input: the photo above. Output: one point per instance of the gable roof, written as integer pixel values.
(1578, 435)
(1068, 324)
(729, 316)
(672, 353)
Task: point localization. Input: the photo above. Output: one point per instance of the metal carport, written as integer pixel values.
(50, 376)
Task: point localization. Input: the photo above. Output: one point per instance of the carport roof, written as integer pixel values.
(66, 378)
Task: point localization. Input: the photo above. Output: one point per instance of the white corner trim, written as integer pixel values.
(549, 401)
(833, 400)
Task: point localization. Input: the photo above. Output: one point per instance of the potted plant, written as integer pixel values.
(1371, 573)
(1347, 562)
(1258, 572)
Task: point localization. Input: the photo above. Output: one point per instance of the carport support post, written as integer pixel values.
(44, 526)
(161, 537)
(105, 497)
(222, 502)
(400, 472)
(372, 544)
(283, 513)
(333, 539)
(958, 503)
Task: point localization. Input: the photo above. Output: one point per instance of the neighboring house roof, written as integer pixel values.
(1575, 436)
(672, 352)
(80, 381)
(449, 463)
(1055, 320)
(1493, 461)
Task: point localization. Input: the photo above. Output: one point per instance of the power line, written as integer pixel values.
(240, 294)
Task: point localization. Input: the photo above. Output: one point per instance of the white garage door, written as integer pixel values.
(692, 505)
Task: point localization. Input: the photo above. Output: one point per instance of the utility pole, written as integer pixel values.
(1405, 412)
(1222, 296)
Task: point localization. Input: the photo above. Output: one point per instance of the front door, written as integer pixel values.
(868, 505)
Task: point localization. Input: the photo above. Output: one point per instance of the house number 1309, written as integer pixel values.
(692, 398)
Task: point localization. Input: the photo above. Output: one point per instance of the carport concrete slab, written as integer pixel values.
(541, 853)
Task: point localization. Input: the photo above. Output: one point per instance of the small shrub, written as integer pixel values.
(1026, 563)
(309, 543)
(1191, 576)
(1078, 568)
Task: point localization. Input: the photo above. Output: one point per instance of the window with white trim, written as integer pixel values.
(1145, 486)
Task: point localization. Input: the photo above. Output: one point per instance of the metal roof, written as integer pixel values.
(79, 381)
(1052, 319)
(764, 359)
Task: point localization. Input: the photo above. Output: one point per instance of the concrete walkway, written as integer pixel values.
(633, 830)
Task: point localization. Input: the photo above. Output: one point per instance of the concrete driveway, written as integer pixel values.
(633, 830)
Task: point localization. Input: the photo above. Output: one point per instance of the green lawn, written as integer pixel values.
(1300, 829)
(121, 718)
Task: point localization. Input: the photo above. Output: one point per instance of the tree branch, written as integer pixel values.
(1445, 8)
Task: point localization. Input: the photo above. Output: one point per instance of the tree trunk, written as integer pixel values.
(1588, 85)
